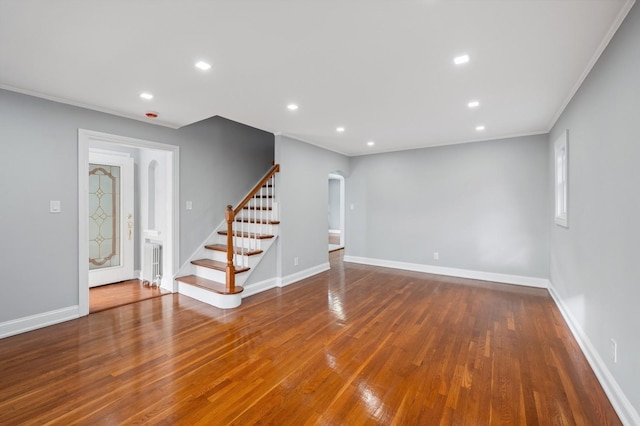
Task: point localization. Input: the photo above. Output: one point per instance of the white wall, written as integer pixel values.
(595, 269)
(481, 206)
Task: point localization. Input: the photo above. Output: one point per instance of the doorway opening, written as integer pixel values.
(150, 226)
(336, 212)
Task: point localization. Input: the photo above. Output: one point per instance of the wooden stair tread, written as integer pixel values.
(247, 235)
(262, 221)
(218, 266)
(210, 285)
(238, 250)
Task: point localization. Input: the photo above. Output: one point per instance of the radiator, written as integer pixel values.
(152, 264)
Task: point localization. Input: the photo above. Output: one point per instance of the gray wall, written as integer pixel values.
(482, 206)
(39, 163)
(595, 267)
(303, 201)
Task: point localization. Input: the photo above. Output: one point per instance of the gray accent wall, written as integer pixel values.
(220, 160)
(304, 195)
(481, 206)
(595, 263)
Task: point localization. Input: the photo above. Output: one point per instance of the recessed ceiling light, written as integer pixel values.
(146, 95)
(480, 128)
(473, 104)
(203, 65)
(292, 107)
(339, 129)
(371, 143)
(462, 59)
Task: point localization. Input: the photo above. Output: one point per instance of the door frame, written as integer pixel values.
(340, 179)
(172, 246)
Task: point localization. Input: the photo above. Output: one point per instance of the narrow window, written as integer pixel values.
(561, 177)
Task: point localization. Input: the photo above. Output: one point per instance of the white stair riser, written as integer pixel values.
(215, 275)
(254, 227)
(210, 274)
(250, 243)
(224, 301)
(221, 256)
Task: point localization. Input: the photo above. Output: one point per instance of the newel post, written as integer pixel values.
(231, 270)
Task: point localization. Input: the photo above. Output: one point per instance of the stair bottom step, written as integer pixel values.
(210, 285)
(218, 266)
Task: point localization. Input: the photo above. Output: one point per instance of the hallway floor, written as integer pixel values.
(120, 294)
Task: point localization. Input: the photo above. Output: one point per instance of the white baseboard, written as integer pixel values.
(22, 325)
(625, 410)
(270, 283)
(453, 272)
(334, 231)
(298, 276)
(259, 287)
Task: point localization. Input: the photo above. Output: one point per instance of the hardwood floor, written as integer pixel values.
(334, 239)
(353, 345)
(119, 294)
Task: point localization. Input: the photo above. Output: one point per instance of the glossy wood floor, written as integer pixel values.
(119, 294)
(355, 345)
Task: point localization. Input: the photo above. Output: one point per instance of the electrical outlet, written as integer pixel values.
(614, 351)
(436, 255)
(189, 205)
(295, 261)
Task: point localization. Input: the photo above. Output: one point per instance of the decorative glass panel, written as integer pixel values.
(104, 216)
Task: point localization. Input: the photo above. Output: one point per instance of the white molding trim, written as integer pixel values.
(625, 410)
(137, 117)
(626, 8)
(299, 276)
(45, 319)
(85, 138)
(259, 287)
(453, 272)
(334, 231)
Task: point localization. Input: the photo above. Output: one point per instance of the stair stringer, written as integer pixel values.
(187, 267)
(223, 301)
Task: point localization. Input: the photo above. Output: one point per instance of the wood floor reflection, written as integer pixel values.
(353, 345)
(120, 294)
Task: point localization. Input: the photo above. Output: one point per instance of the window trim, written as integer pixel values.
(561, 179)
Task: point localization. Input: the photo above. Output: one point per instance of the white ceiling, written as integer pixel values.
(383, 69)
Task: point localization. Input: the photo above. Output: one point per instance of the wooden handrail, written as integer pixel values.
(230, 216)
(230, 283)
(275, 169)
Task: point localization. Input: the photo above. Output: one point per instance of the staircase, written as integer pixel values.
(217, 272)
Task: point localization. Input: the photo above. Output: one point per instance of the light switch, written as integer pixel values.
(54, 206)
(189, 205)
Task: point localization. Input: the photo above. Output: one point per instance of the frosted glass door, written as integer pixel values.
(111, 231)
(104, 216)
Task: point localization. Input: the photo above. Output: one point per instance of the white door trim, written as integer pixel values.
(340, 179)
(172, 246)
